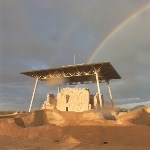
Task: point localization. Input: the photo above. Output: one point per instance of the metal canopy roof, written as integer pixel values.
(80, 73)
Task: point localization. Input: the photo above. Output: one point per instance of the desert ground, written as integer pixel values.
(92, 130)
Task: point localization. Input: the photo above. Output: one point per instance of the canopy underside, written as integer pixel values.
(80, 73)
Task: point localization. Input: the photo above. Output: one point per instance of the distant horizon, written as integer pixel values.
(126, 104)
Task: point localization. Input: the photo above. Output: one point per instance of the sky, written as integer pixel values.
(37, 34)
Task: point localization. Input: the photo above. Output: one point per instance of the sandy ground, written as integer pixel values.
(55, 130)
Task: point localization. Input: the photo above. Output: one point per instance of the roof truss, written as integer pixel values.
(81, 73)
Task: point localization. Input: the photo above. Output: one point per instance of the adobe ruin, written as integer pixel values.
(72, 99)
(76, 99)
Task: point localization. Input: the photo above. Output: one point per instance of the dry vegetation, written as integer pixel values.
(6, 112)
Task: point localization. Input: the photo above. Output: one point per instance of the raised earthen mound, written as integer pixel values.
(43, 117)
(53, 117)
(47, 123)
(56, 129)
(138, 117)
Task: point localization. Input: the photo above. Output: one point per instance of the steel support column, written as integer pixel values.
(58, 88)
(33, 94)
(99, 90)
(110, 94)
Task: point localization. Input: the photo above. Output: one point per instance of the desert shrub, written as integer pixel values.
(118, 110)
(6, 112)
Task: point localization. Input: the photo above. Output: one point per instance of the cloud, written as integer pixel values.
(132, 105)
(129, 52)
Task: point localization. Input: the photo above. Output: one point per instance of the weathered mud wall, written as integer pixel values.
(50, 102)
(73, 99)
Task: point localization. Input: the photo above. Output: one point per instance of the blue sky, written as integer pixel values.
(37, 34)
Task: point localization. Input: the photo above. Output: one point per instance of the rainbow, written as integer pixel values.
(117, 29)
